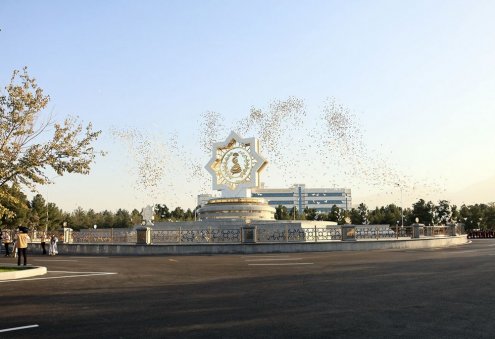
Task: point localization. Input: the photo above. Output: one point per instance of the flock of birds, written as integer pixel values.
(315, 150)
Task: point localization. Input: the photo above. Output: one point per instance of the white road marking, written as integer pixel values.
(283, 264)
(48, 260)
(74, 272)
(172, 260)
(17, 328)
(75, 275)
(267, 256)
(274, 259)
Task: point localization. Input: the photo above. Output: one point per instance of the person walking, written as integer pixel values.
(53, 245)
(43, 242)
(22, 244)
(6, 242)
(14, 243)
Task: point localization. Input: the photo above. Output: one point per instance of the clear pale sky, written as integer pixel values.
(418, 76)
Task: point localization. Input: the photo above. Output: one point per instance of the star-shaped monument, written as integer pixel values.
(235, 164)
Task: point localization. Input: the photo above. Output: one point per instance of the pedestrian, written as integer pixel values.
(22, 244)
(43, 242)
(14, 249)
(53, 245)
(6, 242)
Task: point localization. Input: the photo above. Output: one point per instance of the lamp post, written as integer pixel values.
(47, 203)
(401, 205)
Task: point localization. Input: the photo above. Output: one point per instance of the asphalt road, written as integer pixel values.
(430, 293)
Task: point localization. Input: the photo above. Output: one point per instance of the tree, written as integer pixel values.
(38, 212)
(189, 215)
(443, 212)
(281, 213)
(423, 211)
(16, 202)
(136, 217)
(122, 219)
(162, 212)
(363, 213)
(309, 213)
(78, 219)
(337, 214)
(178, 213)
(26, 150)
(294, 213)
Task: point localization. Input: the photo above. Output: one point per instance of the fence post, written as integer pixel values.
(286, 233)
(348, 232)
(67, 235)
(249, 234)
(416, 230)
(316, 235)
(143, 235)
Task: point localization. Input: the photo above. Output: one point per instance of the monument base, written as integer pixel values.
(236, 209)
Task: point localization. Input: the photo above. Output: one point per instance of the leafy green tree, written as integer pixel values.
(55, 216)
(281, 213)
(490, 216)
(309, 213)
(337, 214)
(162, 212)
(78, 219)
(455, 214)
(363, 214)
(189, 215)
(16, 202)
(136, 217)
(294, 214)
(26, 149)
(178, 214)
(122, 219)
(106, 219)
(38, 215)
(423, 211)
(443, 212)
(91, 218)
(355, 217)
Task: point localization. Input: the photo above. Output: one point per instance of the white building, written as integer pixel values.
(321, 199)
(203, 199)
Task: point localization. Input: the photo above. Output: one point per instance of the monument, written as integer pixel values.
(235, 167)
(236, 216)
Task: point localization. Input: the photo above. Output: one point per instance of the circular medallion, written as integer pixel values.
(235, 166)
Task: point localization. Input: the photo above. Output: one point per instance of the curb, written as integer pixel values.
(28, 271)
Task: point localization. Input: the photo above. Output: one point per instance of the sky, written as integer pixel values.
(415, 80)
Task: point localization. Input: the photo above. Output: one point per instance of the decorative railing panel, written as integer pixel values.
(109, 236)
(294, 234)
(374, 232)
(264, 234)
(196, 236)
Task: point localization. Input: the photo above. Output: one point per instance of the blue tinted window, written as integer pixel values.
(280, 202)
(325, 202)
(272, 195)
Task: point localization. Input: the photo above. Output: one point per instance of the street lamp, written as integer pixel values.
(401, 205)
(47, 203)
